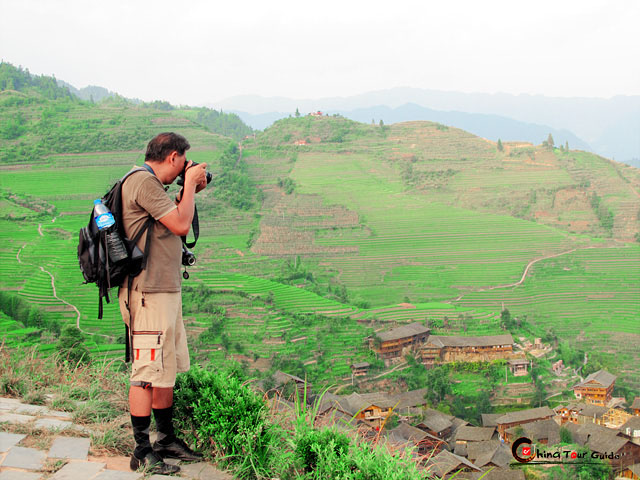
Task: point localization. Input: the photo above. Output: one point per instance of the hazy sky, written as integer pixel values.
(196, 52)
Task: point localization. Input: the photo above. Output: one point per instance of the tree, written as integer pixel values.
(297, 112)
(500, 147)
(381, 124)
(550, 142)
(505, 319)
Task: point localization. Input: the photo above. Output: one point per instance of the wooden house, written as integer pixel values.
(632, 472)
(422, 443)
(631, 429)
(518, 366)
(580, 413)
(635, 406)
(522, 417)
(391, 344)
(285, 382)
(597, 388)
(447, 463)
(448, 348)
(544, 432)
(360, 369)
(607, 443)
(436, 423)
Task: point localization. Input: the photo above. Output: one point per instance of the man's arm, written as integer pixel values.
(178, 220)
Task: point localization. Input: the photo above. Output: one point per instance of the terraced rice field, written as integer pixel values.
(426, 251)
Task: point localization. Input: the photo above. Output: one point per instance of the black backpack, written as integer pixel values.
(92, 248)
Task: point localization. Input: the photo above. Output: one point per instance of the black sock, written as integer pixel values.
(164, 425)
(141, 435)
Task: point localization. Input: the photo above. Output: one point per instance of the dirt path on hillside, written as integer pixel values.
(526, 271)
(55, 294)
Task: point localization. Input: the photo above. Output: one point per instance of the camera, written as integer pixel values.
(188, 258)
(184, 170)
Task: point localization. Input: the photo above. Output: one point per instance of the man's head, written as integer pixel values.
(164, 144)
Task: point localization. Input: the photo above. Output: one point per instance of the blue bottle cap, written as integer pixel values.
(97, 201)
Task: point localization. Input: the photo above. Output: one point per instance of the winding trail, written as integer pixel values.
(55, 294)
(526, 271)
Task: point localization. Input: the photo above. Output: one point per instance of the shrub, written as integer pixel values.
(226, 419)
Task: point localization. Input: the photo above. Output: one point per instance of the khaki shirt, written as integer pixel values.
(144, 194)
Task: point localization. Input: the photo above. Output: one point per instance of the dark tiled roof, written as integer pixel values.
(636, 403)
(541, 430)
(474, 434)
(476, 450)
(361, 365)
(404, 331)
(501, 456)
(414, 398)
(455, 341)
(489, 419)
(436, 421)
(525, 415)
(446, 462)
(633, 423)
(602, 377)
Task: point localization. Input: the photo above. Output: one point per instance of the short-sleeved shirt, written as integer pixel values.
(143, 195)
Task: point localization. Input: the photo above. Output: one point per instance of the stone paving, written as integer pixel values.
(18, 462)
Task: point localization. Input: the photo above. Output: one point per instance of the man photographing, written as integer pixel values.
(151, 304)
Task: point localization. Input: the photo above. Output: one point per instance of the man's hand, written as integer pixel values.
(196, 175)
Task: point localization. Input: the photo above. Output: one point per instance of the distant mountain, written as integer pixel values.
(610, 126)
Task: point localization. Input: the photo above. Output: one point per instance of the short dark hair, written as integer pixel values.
(163, 144)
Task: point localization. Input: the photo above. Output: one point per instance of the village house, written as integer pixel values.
(447, 463)
(468, 433)
(597, 388)
(631, 430)
(615, 417)
(360, 369)
(606, 442)
(635, 406)
(522, 417)
(490, 453)
(436, 423)
(557, 367)
(372, 409)
(544, 432)
(448, 348)
(579, 414)
(518, 366)
(422, 443)
(632, 472)
(391, 344)
(284, 382)
(489, 419)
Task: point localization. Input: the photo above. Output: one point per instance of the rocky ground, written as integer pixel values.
(37, 443)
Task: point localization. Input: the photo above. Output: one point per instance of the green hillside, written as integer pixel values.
(347, 228)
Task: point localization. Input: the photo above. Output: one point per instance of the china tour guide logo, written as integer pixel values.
(524, 452)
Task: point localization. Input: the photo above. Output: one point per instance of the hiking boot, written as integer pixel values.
(177, 449)
(152, 463)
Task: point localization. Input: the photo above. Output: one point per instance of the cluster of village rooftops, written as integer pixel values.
(449, 446)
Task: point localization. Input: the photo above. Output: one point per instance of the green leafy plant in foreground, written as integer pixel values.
(227, 419)
(230, 421)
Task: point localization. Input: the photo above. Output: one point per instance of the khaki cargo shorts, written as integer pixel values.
(159, 339)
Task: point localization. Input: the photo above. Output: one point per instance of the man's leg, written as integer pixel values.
(140, 400)
(162, 405)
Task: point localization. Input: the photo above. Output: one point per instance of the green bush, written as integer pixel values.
(227, 419)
